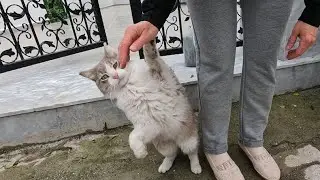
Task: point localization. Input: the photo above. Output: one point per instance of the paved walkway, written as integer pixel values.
(292, 138)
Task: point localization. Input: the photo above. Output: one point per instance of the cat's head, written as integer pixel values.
(106, 74)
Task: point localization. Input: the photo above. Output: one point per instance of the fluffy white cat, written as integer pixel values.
(154, 101)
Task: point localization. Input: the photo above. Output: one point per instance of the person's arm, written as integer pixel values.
(311, 14)
(157, 11)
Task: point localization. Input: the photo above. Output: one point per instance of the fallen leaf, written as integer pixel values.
(27, 163)
(13, 161)
(111, 137)
(2, 164)
(39, 161)
(53, 153)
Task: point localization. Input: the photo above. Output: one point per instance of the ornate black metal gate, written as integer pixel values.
(35, 31)
(170, 37)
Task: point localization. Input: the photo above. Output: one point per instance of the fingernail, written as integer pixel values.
(133, 48)
(287, 47)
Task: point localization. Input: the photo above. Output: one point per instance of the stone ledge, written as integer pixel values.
(57, 84)
(52, 117)
(53, 124)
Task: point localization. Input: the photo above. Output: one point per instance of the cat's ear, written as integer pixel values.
(90, 74)
(109, 51)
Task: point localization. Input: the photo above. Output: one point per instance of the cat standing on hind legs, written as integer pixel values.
(154, 101)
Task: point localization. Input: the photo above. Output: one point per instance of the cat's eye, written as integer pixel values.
(115, 65)
(104, 77)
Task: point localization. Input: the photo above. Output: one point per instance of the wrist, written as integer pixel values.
(311, 16)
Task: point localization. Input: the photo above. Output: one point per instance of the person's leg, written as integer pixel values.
(214, 22)
(264, 23)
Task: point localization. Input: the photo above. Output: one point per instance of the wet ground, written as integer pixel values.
(292, 137)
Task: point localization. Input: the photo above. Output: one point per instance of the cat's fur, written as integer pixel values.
(153, 100)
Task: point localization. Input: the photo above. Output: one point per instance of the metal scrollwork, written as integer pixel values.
(34, 28)
(170, 36)
(239, 25)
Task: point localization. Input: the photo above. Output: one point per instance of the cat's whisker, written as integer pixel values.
(114, 88)
(111, 98)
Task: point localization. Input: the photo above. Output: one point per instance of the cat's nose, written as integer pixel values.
(116, 76)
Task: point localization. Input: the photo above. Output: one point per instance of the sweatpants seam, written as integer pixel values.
(243, 81)
(197, 65)
(198, 74)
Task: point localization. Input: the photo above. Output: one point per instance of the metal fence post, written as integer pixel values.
(99, 21)
(136, 11)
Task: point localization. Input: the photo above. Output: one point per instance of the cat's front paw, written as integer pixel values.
(140, 153)
(196, 168)
(165, 166)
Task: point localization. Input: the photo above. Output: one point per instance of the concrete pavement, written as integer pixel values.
(292, 137)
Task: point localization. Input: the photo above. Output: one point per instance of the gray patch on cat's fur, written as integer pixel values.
(95, 73)
(151, 54)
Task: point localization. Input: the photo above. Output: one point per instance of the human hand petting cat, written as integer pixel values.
(134, 38)
(307, 35)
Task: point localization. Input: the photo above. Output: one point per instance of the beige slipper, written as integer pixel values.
(224, 168)
(263, 162)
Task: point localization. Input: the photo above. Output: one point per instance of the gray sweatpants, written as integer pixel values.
(215, 23)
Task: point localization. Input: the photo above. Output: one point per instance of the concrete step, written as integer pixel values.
(49, 101)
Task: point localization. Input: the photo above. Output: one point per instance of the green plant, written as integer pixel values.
(55, 10)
